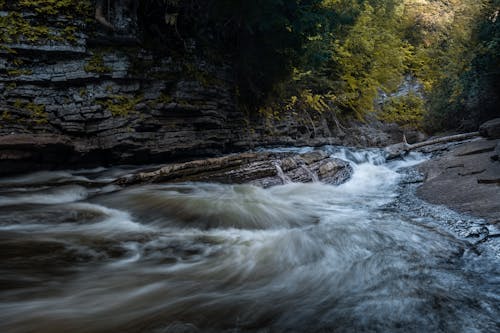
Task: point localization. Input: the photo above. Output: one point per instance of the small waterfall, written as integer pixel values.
(225, 258)
(312, 174)
(372, 156)
(279, 172)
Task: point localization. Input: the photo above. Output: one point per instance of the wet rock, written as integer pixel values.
(491, 129)
(261, 169)
(464, 178)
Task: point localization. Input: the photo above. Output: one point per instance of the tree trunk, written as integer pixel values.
(401, 148)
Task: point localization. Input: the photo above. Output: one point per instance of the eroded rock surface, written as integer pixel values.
(467, 178)
(261, 169)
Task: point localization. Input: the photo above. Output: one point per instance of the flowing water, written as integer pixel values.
(78, 255)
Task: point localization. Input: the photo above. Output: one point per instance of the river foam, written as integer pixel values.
(198, 257)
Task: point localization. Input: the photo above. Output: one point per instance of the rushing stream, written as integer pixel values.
(78, 255)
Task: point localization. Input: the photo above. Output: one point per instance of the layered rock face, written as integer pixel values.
(96, 102)
(72, 95)
(260, 169)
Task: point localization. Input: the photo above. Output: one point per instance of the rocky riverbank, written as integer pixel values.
(466, 177)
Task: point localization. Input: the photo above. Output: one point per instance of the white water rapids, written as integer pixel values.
(80, 256)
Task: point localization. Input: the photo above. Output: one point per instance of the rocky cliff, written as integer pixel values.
(72, 94)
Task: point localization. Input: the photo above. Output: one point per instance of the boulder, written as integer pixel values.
(491, 129)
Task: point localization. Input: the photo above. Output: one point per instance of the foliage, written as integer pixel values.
(449, 46)
(372, 57)
(469, 96)
(315, 56)
(407, 110)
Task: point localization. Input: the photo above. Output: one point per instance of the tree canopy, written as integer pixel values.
(432, 64)
(352, 57)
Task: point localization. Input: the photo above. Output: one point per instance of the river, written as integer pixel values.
(80, 255)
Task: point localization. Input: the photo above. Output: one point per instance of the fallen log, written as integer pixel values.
(397, 150)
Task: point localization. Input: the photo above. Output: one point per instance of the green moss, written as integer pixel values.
(57, 7)
(15, 69)
(6, 116)
(14, 27)
(18, 72)
(5, 48)
(121, 105)
(37, 113)
(164, 98)
(96, 65)
(68, 34)
(18, 104)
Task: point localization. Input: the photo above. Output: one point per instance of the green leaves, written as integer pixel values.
(372, 57)
(346, 53)
(461, 70)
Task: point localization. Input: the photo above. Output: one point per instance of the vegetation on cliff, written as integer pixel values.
(430, 64)
(447, 50)
(16, 27)
(352, 57)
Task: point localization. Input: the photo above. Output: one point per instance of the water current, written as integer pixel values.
(80, 255)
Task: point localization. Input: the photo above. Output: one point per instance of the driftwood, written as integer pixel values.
(399, 149)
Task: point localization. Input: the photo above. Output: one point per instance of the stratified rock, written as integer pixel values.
(261, 169)
(465, 178)
(23, 153)
(491, 129)
(114, 102)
